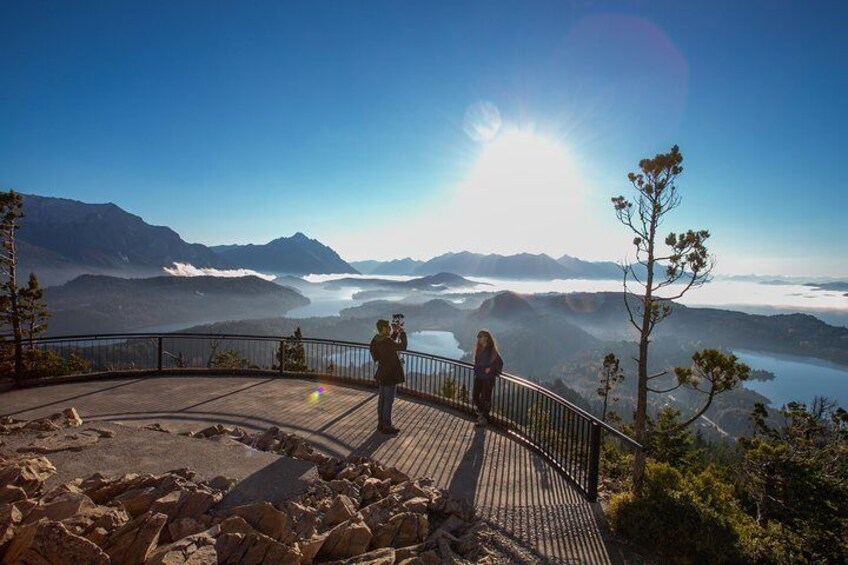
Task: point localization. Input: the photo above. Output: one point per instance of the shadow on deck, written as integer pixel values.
(512, 487)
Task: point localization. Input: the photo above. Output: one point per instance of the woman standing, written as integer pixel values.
(487, 366)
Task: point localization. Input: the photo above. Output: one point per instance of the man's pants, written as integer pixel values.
(384, 405)
(482, 394)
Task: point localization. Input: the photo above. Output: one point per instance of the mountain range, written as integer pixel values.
(518, 266)
(406, 266)
(99, 303)
(60, 239)
(295, 255)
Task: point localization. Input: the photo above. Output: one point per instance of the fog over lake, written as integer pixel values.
(746, 296)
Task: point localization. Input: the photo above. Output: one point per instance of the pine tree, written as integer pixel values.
(662, 275)
(292, 354)
(11, 212)
(611, 375)
(34, 312)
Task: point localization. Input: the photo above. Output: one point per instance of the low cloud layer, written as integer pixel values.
(189, 270)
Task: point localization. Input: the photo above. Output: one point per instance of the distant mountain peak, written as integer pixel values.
(506, 305)
(65, 238)
(295, 255)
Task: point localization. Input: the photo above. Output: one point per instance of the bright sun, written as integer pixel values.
(522, 164)
(523, 193)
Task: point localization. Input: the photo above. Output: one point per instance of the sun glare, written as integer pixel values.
(522, 164)
(520, 178)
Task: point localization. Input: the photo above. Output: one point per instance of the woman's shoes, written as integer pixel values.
(481, 421)
(390, 430)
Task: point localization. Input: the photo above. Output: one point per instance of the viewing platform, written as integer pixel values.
(529, 481)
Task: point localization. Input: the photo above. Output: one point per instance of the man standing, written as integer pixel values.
(384, 350)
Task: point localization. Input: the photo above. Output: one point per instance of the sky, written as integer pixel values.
(394, 129)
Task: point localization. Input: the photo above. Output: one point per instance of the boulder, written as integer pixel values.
(99, 530)
(221, 483)
(419, 488)
(43, 425)
(451, 525)
(49, 543)
(310, 547)
(402, 553)
(352, 472)
(379, 512)
(134, 542)
(199, 556)
(11, 493)
(184, 527)
(265, 519)
(196, 549)
(10, 517)
(102, 489)
(419, 505)
(68, 418)
(63, 506)
(391, 473)
(406, 528)
(449, 556)
(305, 519)
(425, 558)
(71, 417)
(138, 501)
(346, 487)
(27, 474)
(348, 539)
(9, 425)
(382, 556)
(185, 503)
(215, 430)
(254, 549)
(268, 440)
(375, 489)
(342, 509)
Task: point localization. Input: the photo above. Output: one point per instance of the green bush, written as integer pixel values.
(683, 518)
(49, 364)
(228, 361)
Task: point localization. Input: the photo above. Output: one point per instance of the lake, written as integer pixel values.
(439, 343)
(797, 378)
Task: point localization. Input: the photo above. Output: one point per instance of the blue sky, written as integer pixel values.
(245, 121)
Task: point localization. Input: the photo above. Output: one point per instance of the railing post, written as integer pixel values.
(594, 462)
(282, 356)
(159, 353)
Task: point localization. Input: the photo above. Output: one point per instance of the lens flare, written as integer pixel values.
(316, 394)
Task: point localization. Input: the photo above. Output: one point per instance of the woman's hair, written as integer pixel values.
(492, 347)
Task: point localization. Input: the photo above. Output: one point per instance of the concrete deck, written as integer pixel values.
(516, 490)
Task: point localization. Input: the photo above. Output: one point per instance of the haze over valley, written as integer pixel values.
(554, 317)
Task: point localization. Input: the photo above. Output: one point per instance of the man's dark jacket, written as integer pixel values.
(384, 350)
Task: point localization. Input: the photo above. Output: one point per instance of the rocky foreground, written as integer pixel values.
(355, 511)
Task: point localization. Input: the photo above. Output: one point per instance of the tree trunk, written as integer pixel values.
(15, 312)
(640, 419)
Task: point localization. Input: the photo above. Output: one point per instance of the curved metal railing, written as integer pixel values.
(566, 435)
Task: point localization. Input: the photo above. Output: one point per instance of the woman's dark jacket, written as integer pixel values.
(384, 350)
(488, 359)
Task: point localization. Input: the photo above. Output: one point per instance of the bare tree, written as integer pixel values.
(660, 273)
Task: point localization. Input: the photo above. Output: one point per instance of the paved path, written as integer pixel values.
(511, 486)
